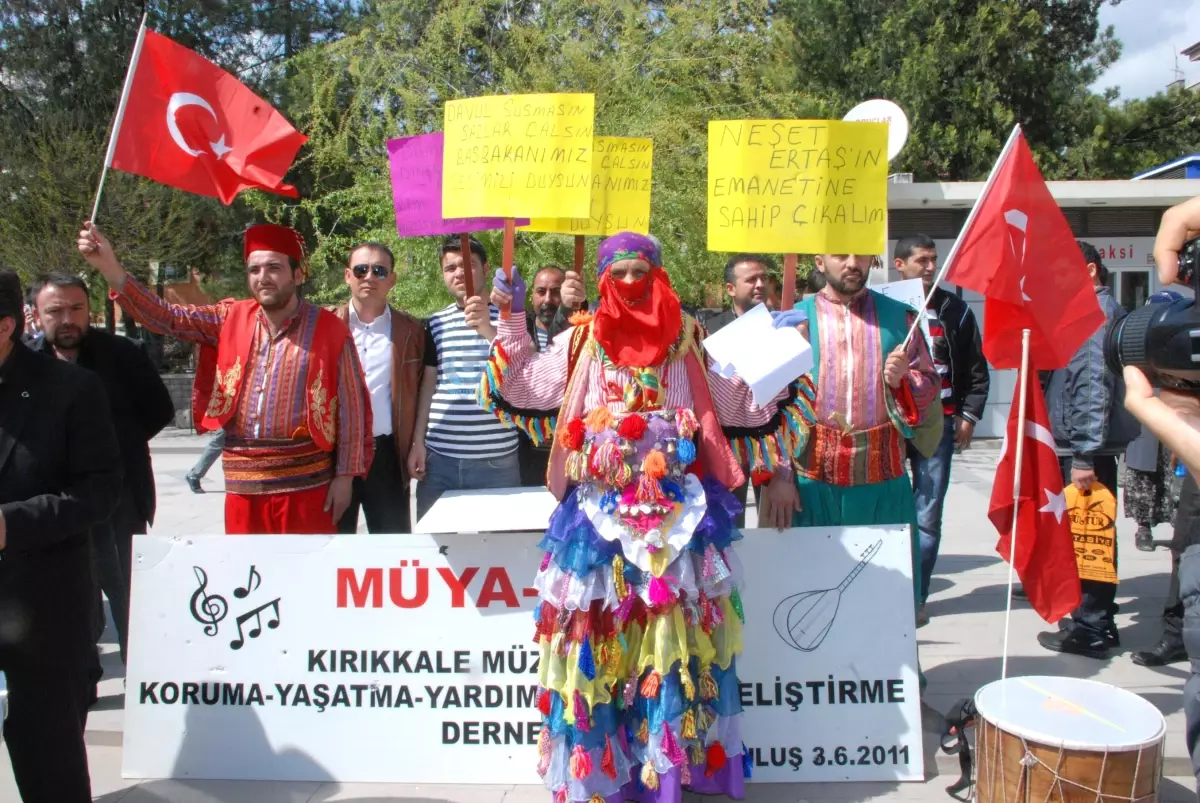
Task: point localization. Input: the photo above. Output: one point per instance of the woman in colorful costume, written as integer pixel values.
(639, 618)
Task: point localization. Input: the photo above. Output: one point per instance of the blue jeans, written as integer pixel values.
(216, 444)
(931, 480)
(444, 473)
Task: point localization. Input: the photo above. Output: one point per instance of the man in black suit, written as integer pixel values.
(141, 406)
(59, 477)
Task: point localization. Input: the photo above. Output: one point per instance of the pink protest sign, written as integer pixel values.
(416, 165)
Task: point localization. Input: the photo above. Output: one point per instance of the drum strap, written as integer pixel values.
(954, 740)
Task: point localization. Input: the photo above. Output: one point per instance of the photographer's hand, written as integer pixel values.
(1173, 416)
(1179, 224)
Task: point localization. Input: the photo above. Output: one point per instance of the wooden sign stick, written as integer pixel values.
(464, 248)
(579, 254)
(510, 235)
(789, 282)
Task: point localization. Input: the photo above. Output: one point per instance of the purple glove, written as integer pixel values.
(792, 317)
(516, 289)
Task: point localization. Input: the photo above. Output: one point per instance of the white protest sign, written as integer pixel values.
(912, 293)
(879, 110)
(408, 659)
(494, 510)
(766, 358)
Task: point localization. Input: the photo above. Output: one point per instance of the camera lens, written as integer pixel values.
(1126, 340)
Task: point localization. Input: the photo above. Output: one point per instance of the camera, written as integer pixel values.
(1163, 339)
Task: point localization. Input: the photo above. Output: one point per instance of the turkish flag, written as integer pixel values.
(191, 125)
(1045, 556)
(1019, 252)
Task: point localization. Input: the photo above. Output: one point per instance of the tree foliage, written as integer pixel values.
(353, 74)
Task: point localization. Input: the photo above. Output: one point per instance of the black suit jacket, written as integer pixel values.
(58, 477)
(141, 406)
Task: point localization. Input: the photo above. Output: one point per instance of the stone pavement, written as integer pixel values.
(959, 652)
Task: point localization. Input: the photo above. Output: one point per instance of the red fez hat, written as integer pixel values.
(272, 237)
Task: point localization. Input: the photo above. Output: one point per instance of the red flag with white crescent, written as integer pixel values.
(1045, 555)
(189, 124)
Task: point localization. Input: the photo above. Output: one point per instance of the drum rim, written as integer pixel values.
(1030, 735)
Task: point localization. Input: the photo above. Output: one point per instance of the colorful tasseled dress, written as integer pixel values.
(639, 619)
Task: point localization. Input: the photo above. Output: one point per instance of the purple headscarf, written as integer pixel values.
(628, 245)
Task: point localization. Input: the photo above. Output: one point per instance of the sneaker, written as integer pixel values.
(194, 484)
(1112, 639)
(1075, 642)
(922, 617)
(1144, 539)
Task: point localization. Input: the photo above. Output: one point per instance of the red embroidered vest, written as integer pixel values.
(219, 374)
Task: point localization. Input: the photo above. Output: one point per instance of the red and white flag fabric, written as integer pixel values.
(1018, 251)
(1045, 555)
(189, 124)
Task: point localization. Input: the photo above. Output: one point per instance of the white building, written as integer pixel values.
(1120, 218)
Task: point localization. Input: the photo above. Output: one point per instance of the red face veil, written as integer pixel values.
(637, 322)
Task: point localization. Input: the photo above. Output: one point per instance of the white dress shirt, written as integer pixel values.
(374, 343)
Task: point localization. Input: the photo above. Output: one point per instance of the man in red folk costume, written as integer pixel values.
(278, 374)
(639, 619)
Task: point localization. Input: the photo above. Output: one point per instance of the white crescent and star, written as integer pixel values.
(1056, 503)
(177, 102)
(1019, 221)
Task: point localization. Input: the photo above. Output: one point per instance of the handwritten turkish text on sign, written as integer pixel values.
(518, 156)
(797, 186)
(416, 168)
(620, 191)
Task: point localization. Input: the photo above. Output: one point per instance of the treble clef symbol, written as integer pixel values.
(207, 609)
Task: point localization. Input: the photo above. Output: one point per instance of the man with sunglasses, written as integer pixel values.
(391, 347)
(278, 374)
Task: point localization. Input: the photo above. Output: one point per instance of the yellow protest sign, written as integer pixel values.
(620, 191)
(518, 156)
(1094, 527)
(797, 186)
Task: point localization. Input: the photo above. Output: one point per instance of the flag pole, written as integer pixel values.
(1020, 457)
(949, 260)
(116, 130)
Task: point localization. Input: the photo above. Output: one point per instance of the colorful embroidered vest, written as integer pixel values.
(858, 457)
(213, 409)
(714, 451)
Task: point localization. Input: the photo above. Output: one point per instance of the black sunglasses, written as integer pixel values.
(378, 271)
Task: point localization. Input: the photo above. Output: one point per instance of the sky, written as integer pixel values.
(1152, 32)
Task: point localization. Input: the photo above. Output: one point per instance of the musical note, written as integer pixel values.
(252, 582)
(207, 609)
(256, 615)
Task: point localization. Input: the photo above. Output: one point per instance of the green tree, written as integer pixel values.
(964, 71)
(62, 66)
(660, 70)
(1127, 138)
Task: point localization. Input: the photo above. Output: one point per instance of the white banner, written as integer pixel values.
(409, 659)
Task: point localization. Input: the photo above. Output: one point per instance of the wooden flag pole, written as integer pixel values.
(579, 254)
(464, 248)
(510, 235)
(789, 282)
(1020, 466)
(120, 115)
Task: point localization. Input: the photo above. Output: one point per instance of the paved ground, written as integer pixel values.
(960, 652)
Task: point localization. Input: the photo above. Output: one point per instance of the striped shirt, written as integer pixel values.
(850, 382)
(272, 404)
(941, 358)
(458, 426)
